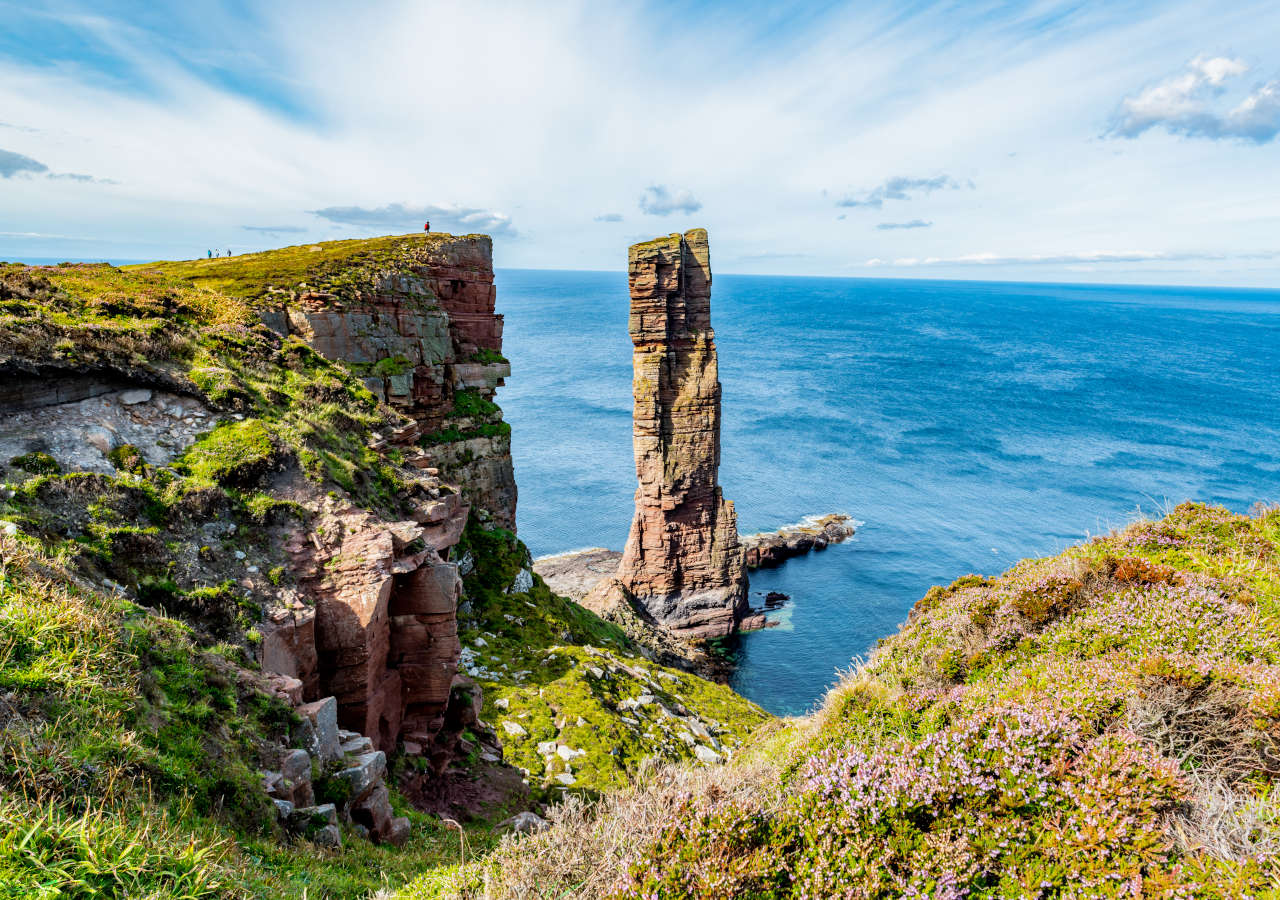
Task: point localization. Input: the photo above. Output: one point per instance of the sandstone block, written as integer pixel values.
(366, 773)
(320, 728)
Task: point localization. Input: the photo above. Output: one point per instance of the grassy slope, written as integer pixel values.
(334, 266)
(129, 741)
(1104, 723)
(534, 653)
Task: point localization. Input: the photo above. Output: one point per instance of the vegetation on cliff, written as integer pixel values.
(573, 698)
(135, 720)
(1102, 723)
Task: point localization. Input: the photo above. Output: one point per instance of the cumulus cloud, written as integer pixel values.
(609, 217)
(901, 187)
(1185, 104)
(399, 217)
(893, 226)
(1095, 256)
(660, 200)
(16, 164)
(274, 229)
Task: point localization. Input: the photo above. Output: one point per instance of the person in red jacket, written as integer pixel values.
(426, 227)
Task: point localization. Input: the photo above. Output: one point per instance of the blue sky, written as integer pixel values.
(1119, 141)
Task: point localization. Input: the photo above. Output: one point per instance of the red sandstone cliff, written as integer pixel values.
(682, 563)
(380, 630)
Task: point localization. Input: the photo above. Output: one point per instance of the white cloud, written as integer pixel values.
(551, 114)
(608, 217)
(894, 226)
(901, 187)
(660, 200)
(1095, 256)
(1184, 104)
(398, 217)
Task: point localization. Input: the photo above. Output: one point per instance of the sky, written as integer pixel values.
(1048, 141)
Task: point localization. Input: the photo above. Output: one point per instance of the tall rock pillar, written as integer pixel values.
(682, 563)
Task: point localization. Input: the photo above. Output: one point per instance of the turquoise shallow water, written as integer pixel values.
(967, 425)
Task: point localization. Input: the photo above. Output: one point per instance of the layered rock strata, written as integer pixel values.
(682, 563)
(381, 633)
(429, 342)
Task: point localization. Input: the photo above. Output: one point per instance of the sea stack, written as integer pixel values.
(682, 564)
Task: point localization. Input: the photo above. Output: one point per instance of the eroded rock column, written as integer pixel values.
(682, 562)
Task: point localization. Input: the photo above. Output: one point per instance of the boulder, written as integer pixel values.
(706, 755)
(328, 837)
(374, 812)
(365, 775)
(398, 833)
(134, 397)
(318, 824)
(320, 729)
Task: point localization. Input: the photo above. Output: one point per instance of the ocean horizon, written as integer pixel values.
(967, 425)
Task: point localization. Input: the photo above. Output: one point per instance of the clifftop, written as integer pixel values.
(334, 266)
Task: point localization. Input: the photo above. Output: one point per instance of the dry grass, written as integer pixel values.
(1226, 823)
(589, 845)
(1205, 729)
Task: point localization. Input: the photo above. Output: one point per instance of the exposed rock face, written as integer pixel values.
(770, 549)
(79, 420)
(382, 637)
(424, 333)
(682, 563)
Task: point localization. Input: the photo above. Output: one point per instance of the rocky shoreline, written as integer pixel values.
(770, 549)
(577, 573)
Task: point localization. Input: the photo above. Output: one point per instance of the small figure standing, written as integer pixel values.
(210, 252)
(228, 253)
(426, 227)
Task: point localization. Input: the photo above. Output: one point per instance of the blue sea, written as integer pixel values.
(966, 425)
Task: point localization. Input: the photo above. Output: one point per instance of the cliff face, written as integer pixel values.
(429, 343)
(209, 383)
(682, 562)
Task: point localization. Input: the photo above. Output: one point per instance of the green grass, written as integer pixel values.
(338, 267)
(129, 761)
(36, 463)
(234, 453)
(535, 653)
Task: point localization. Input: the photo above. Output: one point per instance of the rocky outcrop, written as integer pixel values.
(682, 564)
(769, 549)
(79, 420)
(575, 575)
(424, 336)
(345, 760)
(381, 632)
